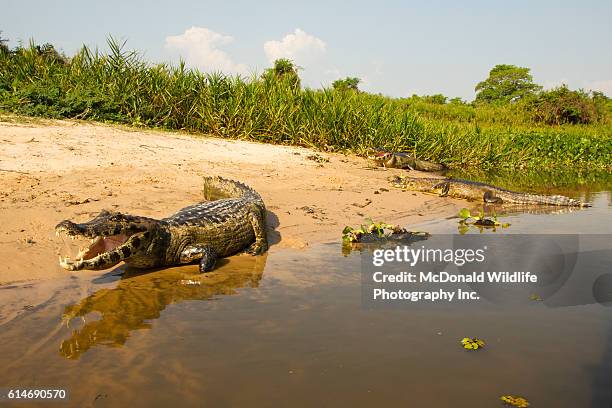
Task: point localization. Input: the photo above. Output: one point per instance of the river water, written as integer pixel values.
(289, 329)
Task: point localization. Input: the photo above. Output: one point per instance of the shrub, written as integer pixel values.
(437, 99)
(562, 105)
(348, 83)
(284, 70)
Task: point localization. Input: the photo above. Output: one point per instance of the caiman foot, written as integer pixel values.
(257, 248)
(206, 254)
(207, 263)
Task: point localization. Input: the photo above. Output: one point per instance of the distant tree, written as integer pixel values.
(506, 83)
(283, 70)
(348, 83)
(49, 52)
(4, 49)
(457, 101)
(603, 104)
(437, 99)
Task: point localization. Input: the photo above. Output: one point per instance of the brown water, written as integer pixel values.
(289, 329)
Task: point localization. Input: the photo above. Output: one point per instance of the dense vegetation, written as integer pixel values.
(536, 129)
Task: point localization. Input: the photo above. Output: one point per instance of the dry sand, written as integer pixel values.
(55, 170)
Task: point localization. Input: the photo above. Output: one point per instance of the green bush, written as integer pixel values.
(346, 84)
(562, 105)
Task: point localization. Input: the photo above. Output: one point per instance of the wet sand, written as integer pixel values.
(55, 170)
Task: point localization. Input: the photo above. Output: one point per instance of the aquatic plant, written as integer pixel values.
(481, 221)
(514, 401)
(472, 343)
(377, 229)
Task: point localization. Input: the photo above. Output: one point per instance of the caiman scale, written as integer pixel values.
(200, 233)
(476, 191)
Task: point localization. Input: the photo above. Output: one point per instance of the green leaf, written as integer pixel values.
(464, 213)
(346, 230)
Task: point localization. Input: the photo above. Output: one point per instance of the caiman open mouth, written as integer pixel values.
(98, 252)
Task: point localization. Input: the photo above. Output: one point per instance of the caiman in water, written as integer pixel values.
(473, 190)
(397, 160)
(200, 233)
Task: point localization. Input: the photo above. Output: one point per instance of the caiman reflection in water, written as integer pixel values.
(139, 298)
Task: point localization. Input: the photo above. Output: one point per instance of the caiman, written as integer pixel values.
(476, 191)
(397, 160)
(200, 233)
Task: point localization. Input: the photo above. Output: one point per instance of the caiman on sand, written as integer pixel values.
(203, 232)
(473, 190)
(396, 160)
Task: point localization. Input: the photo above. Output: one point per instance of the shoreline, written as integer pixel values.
(57, 169)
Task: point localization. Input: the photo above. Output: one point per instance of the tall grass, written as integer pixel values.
(119, 86)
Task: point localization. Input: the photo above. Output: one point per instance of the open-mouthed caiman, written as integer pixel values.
(473, 190)
(202, 232)
(397, 160)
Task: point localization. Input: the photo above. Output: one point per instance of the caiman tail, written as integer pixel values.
(217, 188)
(559, 200)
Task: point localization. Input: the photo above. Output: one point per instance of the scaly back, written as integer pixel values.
(217, 188)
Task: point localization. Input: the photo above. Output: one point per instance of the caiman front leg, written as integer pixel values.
(258, 222)
(489, 197)
(444, 188)
(205, 253)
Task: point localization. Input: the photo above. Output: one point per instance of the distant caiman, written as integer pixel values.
(473, 190)
(203, 232)
(397, 160)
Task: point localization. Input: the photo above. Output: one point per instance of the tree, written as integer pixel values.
(506, 83)
(284, 70)
(437, 99)
(457, 101)
(348, 83)
(4, 49)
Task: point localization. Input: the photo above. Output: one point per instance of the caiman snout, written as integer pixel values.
(112, 237)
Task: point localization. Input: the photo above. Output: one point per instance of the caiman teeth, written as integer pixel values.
(65, 260)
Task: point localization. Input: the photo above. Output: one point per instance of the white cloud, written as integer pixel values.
(299, 46)
(604, 86)
(200, 47)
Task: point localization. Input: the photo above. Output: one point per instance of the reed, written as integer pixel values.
(120, 86)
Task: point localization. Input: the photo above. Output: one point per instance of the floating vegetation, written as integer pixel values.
(380, 230)
(479, 221)
(535, 297)
(514, 401)
(379, 233)
(472, 343)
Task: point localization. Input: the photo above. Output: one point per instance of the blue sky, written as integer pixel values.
(397, 47)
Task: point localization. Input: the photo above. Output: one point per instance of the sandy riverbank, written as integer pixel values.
(54, 170)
